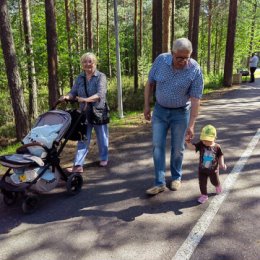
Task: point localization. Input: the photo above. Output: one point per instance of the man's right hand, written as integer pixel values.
(147, 113)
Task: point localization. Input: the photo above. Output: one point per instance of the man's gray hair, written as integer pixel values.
(182, 44)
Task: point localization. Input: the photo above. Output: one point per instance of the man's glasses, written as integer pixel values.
(182, 58)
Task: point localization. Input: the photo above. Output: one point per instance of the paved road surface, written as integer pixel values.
(112, 218)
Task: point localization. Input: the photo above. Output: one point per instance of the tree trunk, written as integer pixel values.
(141, 28)
(108, 43)
(252, 33)
(85, 41)
(118, 65)
(166, 25)
(216, 47)
(195, 30)
(209, 35)
(76, 25)
(13, 76)
(135, 49)
(89, 19)
(97, 28)
(173, 23)
(191, 15)
(141, 41)
(67, 12)
(32, 85)
(156, 28)
(232, 19)
(52, 52)
(220, 43)
(77, 38)
(202, 59)
(20, 42)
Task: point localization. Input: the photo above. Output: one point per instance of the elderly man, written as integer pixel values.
(178, 83)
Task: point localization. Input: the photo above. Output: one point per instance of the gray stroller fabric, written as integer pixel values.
(20, 160)
(32, 165)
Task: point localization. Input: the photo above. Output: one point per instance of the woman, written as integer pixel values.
(91, 87)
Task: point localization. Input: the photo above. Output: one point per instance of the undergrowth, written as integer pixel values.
(132, 105)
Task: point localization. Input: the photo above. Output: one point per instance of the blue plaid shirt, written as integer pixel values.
(175, 87)
(96, 85)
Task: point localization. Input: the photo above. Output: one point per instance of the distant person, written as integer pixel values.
(211, 159)
(178, 83)
(253, 66)
(90, 87)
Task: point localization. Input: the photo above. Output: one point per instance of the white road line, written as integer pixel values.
(193, 239)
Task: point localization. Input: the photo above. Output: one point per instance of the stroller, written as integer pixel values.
(35, 167)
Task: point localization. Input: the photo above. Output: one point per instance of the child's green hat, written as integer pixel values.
(208, 133)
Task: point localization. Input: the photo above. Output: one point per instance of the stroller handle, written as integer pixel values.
(62, 101)
(72, 101)
(23, 148)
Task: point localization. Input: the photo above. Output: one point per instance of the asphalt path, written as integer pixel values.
(112, 218)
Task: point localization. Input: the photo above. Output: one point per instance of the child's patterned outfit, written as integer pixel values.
(208, 165)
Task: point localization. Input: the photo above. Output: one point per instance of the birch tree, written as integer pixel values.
(33, 106)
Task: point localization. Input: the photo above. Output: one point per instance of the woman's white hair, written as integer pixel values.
(88, 55)
(182, 44)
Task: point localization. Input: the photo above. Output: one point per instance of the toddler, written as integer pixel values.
(211, 159)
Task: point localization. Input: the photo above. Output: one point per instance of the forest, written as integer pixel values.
(42, 41)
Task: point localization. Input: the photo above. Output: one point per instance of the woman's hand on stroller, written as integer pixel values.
(64, 98)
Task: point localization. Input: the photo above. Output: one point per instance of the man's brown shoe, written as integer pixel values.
(75, 169)
(175, 185)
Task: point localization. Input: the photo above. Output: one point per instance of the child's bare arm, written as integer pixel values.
(221, 162)
(189, 145)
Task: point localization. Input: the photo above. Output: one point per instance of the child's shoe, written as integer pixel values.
(203, 198)
(103, 163)
(218, 189)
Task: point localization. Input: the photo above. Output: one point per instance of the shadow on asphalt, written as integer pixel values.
(118, 191)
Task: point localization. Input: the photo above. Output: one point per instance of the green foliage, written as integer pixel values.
(10, 149)
(245, 19)
(3, 77)
(242, 35)
(212, 82)
(7, 130)
(129, 118)
(131, 101)
(6, 114)
(181, 19)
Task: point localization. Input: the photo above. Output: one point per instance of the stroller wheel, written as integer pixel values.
(10, 197)
(30, 204)
(74, 183)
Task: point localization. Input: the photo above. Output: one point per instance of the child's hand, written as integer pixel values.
(223, 167)
(189, 144)
(188, 140)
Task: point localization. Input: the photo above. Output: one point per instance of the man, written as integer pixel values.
(253, 66)
(178, 84)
